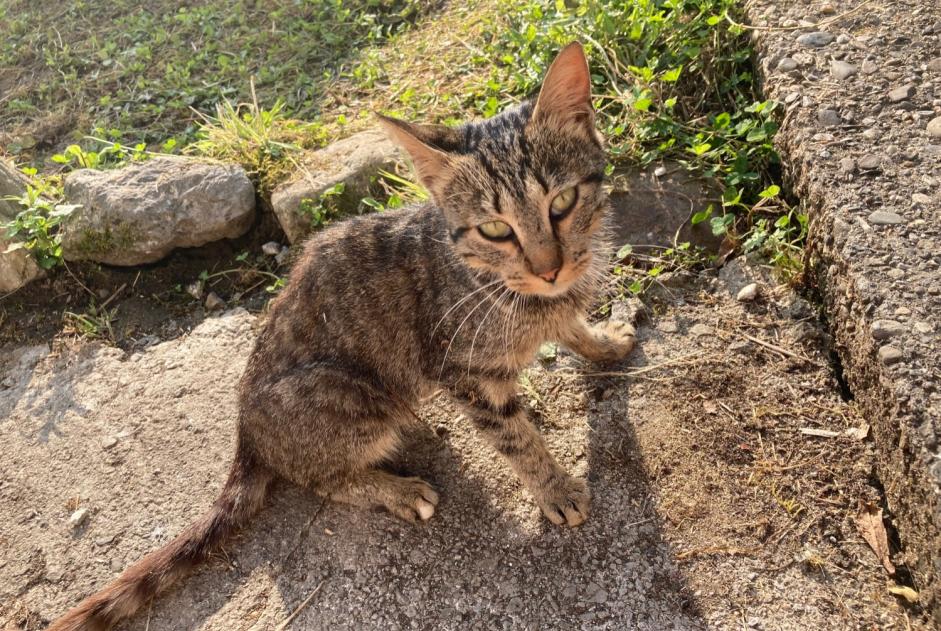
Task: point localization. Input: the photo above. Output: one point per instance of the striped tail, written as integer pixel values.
(242, 496)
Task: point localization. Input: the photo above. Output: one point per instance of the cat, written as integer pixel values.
(381, 310)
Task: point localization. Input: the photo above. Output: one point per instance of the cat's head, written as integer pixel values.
(521, 191)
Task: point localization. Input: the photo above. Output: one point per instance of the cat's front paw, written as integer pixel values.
(565, 501)
(615, 340)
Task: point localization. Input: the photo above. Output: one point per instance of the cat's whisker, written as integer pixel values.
(459, 303)
(470, 355)
(458, 330)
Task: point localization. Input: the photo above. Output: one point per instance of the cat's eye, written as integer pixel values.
(563, 203)
(495, 230)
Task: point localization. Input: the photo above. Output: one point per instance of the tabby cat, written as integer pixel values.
(382, 310)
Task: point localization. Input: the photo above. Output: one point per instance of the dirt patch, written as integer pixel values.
(712, 508)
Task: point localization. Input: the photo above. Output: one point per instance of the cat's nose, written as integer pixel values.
(550, 276)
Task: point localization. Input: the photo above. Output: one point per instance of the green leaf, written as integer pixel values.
(771, 191)
(701, 216)
(672, 76)
(625, 251)
(721, 225)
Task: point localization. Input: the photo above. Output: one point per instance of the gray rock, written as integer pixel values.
(828, 117)
(847, 165)
(889, 355)
(17, 266)
(140, 213)
(786, 64)
(869, 162)
(353, 161)
(668, 326)
(902, 93)
(747, 293)
(272, 248)
(869, 67)
(109, 443)
(884, 329)
(700, 330)
(816, 39)
(934, 127)
(935, 65)
(842, 70)
(884, 218)
(920, 199)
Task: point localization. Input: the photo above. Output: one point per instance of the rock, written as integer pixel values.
(827, 9)
(213, 301)
(902, 94)
(934, 127)
(17, 266)
(109, 443)
(815, 39)
(848, 165)
(920, 199)
(353, 162)
(869, 162)
(935, 65)
(889, 355)
(272, 248)
(869, 67)
(747, 293)
(786, 64)
(282, 256)
(884, 218)
(884, 329)
(842, 70)
(195, 289)
(78, 518)
(828, 117)
(140, 213)
(700, 330)
(668, 326)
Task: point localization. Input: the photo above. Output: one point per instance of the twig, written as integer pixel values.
(81, 284)
(113, 296)
(294, 614)
(783, 351)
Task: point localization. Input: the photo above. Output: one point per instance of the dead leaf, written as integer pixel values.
(907, 593)
(870, 526)
(859, 433)
(819, 433)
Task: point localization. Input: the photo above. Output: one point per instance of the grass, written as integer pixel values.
(672, 81)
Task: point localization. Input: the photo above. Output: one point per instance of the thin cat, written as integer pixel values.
(381, 310)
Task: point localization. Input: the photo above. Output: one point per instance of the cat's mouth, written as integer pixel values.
(567, 277)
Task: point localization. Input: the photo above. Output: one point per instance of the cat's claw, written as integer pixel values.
(416, 502)
(566, 503)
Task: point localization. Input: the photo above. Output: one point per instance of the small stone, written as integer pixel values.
(869, 162)
(923, 327)
(791, 97)
(884, 329)
(884, 218)
(902, 94)
(920, 199)
(109, 443)
(660, 171)
(869, 67)
(816, 39)
(872, 134)
(827, 9)
(828, 117)
(213, 301)
(668, 326)
(842, 70)
(272, 248)
(195, 289)
(700, 330)
(747, 293)
(889, 355)
(282, 256)
(78, 518)
(934, 127)
(935, 65)
(848, 165)
(787, 64)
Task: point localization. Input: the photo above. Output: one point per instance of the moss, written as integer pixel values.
(111, 238)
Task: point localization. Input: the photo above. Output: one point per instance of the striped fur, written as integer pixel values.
(383, 309)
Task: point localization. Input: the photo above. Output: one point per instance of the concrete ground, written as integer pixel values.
(861, 143)
(713, 508)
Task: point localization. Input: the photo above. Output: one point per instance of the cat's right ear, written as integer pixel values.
(424, 143)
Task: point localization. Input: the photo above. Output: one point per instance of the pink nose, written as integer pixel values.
(550, 276)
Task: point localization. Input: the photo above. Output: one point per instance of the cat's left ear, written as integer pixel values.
(565, 97)
(427, 146)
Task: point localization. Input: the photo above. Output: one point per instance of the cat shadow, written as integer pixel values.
(487, 559)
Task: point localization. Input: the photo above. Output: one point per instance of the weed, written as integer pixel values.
(95, 323)
(36, 227)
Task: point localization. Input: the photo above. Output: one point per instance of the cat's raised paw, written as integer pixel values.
(566, 502)
(415, 501)
(616, 338)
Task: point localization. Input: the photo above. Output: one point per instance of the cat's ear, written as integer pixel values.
(427, 146)
(565, 97)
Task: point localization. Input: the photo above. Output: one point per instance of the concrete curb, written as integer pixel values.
(857, 153)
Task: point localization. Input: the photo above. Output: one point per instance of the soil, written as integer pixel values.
(718, 502)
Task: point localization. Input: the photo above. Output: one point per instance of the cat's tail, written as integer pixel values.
(242, 496)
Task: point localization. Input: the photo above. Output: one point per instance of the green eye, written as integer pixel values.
(563, 203)
(496, 230)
